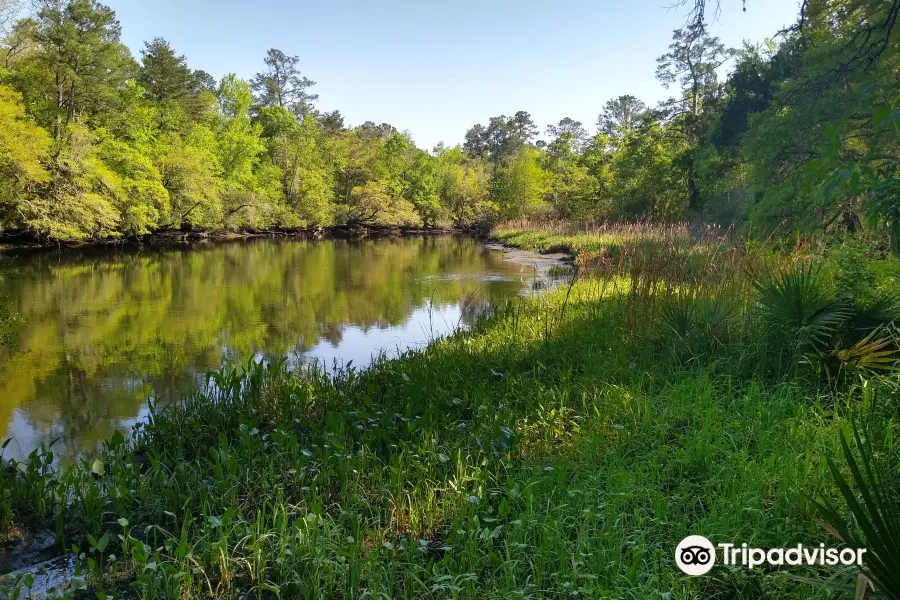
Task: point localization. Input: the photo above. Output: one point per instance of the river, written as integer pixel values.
(105, 330)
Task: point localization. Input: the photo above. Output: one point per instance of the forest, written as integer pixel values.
(95, 143)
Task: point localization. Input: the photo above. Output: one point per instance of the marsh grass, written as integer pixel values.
(590, 244)
(560, 448)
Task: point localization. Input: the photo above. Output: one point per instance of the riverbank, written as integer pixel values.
(588, 245)
(559, 448)
(175, 237)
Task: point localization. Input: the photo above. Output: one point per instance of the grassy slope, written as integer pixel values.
(547, 453)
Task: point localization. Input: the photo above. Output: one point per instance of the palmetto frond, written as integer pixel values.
(880, 310)
(799, 303)
(874, 353)
(874, 507)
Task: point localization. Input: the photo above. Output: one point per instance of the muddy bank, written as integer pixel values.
(527, 257)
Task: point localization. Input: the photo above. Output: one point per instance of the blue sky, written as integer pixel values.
(437, 68)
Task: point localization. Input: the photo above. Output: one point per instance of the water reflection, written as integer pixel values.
(105, 330)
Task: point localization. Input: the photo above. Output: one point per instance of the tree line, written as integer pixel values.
(95, 143)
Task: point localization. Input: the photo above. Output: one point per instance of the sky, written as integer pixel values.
(434, 67)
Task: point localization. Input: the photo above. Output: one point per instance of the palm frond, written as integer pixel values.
(677, 314)
(874, 506)
(801, 304)
(823, 324)
(880, 310)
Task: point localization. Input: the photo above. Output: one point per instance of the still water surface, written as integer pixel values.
(106, 330)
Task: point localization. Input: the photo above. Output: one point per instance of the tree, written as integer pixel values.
(423, 186)
(524, 127)
(19, 41)
(619, 115)
(372, 131)
(570, 188)
(294, 148)
(167, 79)
(519, 187)
(189, 167)
(571, 131)
(502, 139)
(164, 74)
(476, 142)
(646, 183)
(331, 122)
(283, 85)
(79, 201)
(23, 148)
(239, 148)
(463, 188)
(85, 61)
(874, 23)
(691, 63)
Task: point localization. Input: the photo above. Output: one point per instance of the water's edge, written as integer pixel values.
(178, 237)
(35, 555)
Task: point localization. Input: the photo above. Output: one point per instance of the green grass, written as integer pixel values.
(587, 243)
(559, 449)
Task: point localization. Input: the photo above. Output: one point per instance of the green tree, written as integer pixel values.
(691, 63)
(281, 84)
(423, 187)
(570, 188)
(295, 149)
(79, 201)
(248, 192)
(646, 185)
(502, 139)
(81, 61)
(24, 147)
(463, 188)
(189, 166)
(520, 187)
(619, 116)
(168, 80)
(164, 74)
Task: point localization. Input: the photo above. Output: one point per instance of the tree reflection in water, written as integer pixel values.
(104, 330)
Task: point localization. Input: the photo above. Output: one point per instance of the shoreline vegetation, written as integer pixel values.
(561, 447)
(25, 242)
(97, 143)
(740, 384)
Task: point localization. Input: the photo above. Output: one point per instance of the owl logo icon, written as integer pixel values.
(695, 555)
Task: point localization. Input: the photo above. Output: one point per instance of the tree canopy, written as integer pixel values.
(801, 135)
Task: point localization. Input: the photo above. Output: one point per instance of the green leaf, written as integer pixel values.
(829, 189)
(880, 116)
(503, 510)
(78, 583)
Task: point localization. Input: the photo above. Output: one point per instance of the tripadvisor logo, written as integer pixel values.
(696, 555)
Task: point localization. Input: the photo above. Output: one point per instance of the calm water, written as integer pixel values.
(104, 331)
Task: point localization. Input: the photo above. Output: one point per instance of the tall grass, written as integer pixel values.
(561, 448)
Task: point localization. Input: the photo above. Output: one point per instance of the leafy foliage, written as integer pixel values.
(870, 496)
(840, 336)
(798, 303)
(801, 137)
